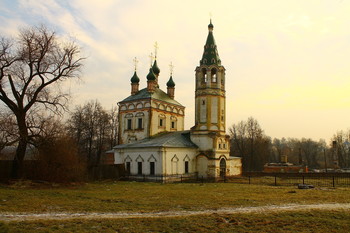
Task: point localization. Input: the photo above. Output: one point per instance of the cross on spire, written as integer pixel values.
(151, 58)
(171, 66)
(135, 63)
(156, 47)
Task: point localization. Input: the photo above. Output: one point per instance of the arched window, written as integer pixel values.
(213, 75)
(161, 120)
(140, 120)
(205, 78)
(173, 122)
(128, 121)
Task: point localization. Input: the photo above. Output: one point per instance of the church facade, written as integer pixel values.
(152, 139)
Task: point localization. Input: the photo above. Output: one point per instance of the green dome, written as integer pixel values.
(155, 68)
(150, 75)
(170, 83)
(135, 78)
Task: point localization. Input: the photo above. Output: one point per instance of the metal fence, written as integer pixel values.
(288, 179)
(275, 179)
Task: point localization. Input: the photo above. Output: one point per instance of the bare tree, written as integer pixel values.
(32, 69)
(249, 142)
(94, 130)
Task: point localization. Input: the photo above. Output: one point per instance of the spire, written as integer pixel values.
(135, 80)
(210, 54)
(171, 82)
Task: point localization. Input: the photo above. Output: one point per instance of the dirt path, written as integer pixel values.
(123, 215)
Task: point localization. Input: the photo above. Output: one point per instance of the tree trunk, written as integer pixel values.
(17, 165)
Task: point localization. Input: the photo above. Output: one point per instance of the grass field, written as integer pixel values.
(154, 197)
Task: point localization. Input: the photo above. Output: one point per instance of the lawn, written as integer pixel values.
(155, 197)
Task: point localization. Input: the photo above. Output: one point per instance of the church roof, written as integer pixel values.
(210, 54)
(178, 139)
(158, 94)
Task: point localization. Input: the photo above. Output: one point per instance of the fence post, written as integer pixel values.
(333, 182)
(249, 179)
(275, 180)
(303, 179)
(181, 178)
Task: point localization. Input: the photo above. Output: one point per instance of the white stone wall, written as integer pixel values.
(202, 141)
(168, 161)
(174, 160)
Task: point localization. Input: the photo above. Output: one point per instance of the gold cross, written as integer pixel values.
(135, 63)
(171, 66)
(151, 58)
(156, 47)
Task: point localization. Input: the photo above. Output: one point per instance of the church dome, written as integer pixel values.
(135, 78)
(155, 68)
(150, 75)
(170, 83)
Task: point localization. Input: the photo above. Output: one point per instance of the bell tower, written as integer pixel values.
(210, 89)
(210, 108)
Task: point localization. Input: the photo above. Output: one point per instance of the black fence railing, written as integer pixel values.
(276, 179)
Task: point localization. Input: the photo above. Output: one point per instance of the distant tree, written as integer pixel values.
(94, 129)
(310, 150)
(341, 152)
(300, 151)
(249, 142)
(32, 69)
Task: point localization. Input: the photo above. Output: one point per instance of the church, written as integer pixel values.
(152, 140)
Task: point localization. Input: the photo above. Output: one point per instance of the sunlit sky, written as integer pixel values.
(287, 62)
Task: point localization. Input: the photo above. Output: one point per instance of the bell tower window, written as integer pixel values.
(213, 76)
(205, 78)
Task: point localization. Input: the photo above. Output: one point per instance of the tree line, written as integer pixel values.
(249, 141)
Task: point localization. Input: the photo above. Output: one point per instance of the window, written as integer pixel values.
(213, 75)
(161, 120)
(128, 168)
(219, 145)
(224, 145)
(139, 123)
(139, 168)
(129, 124)
(152, 168)
(186, 167)
(173, 122)
(214, 78)
(203, 102)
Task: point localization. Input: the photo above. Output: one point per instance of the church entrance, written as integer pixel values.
(222, 168)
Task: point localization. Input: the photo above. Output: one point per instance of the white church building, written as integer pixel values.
(152, 140)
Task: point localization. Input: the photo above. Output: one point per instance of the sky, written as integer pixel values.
(287, 62)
